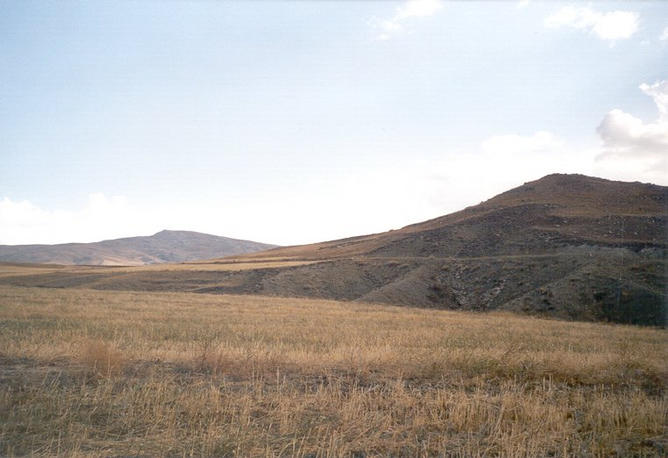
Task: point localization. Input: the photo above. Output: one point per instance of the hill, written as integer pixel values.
(539, 217)
(569, 246)
(164, 246)
(564, 246)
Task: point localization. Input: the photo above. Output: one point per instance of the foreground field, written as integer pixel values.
(129, 373)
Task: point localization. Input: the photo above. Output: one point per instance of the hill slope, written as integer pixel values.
(165, 246)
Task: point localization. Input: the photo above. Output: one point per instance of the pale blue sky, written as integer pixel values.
(294, 122)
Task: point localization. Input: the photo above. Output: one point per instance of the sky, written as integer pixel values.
(292, 122)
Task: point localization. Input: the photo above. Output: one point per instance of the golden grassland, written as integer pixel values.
(11, 269)
(96, 373)
(216, 266)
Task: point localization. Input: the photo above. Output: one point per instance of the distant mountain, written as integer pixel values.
(165, 246)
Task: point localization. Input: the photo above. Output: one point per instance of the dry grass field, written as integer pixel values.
(14, 269)
(102, 373)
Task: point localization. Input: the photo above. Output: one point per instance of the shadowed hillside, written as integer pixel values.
(565, 246)
(165, 246)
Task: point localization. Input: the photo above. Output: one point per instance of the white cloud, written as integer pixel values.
(522, 4)
(659, 93)
(664, 35)
(408, 10)
(611, 26)
(501, 163)
(631, 150)
(418, 8)
(102, 217)
(625, 136)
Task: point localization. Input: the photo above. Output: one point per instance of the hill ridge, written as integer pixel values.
(163, 246)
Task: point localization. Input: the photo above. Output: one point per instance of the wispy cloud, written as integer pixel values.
(405, 12)
(522, 4)
(610, 26)
(664, 35)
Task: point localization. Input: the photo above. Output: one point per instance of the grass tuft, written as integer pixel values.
(101, 358)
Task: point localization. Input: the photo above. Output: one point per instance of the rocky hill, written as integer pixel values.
(539, 217)
(569, 246)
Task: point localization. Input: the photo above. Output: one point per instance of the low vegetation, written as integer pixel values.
(86, 372)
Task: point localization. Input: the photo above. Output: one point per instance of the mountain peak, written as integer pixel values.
(171, 231)
(167, 232)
